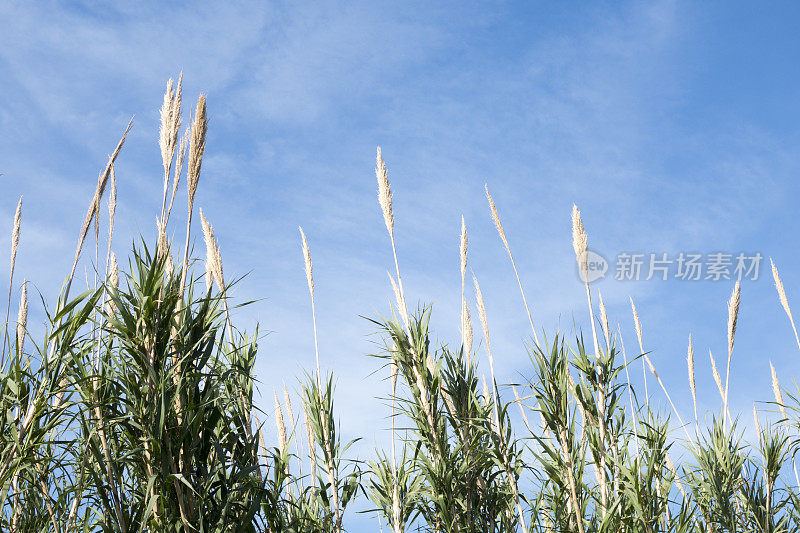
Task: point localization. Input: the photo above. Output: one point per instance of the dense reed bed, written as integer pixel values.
(134, 410)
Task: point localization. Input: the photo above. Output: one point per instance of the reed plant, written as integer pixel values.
(133, 409)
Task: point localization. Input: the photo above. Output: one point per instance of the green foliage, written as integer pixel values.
(135, 411)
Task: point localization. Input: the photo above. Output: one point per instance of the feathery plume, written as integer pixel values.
(113, 271)
(216, 260)
(211, 250)
(197, 145)
(112, 204)
(384, 192)
(781, 291)
(482, 317)
(579, 242)
(182, 145)
(14, 246)
(22, 317)
(466, 329)
(308, 265)
(638, 325)
(165, 127)
(466, 326)
(733, 316)
(496, 217)
(499, 226)
(163, 243)
(312, 444)
(717, 378)
(170, 124)
(279, 424)
(113, 280)
(95, 204)
(784, 300)
(400, 302)
(288, 401)
(15, 234)
(213, 255)
(485, 326)
(309, 268)
(776, 390)
(604, 320)
(758, 426)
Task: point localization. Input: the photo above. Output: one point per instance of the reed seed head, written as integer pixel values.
(733, 315)
(384, 192)
(496, 218)
(776, 390)
(112, 203)
(758, 426)
(218, 277)
(401, 302)
(638, 324)
(163, 243)
(279, 424)
(197, 145)
(182, 146)
(466, 329)
(717, 378)
(15, 234)
(579, 240)
(312, 441)
(781, 290)
(604, 318)
(213, 256)
(113, 280)
(165, 126)
(114, 271)
(308, 265)
(482, 314)
(170, 123)
(288, 401)
(22, 317)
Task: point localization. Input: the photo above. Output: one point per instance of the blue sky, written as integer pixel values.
(672, 125)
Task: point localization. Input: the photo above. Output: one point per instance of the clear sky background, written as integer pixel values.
(673, 126)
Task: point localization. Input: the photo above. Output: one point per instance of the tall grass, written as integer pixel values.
(133, 410)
